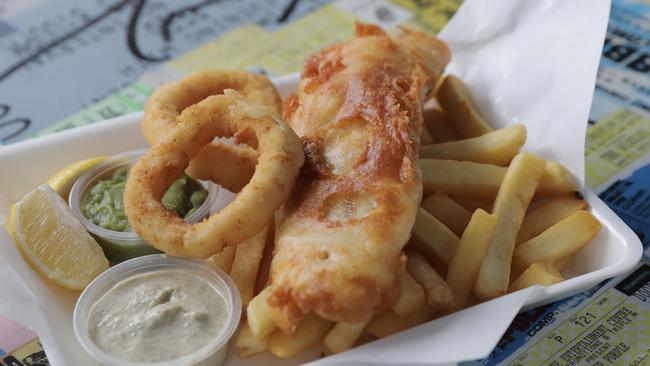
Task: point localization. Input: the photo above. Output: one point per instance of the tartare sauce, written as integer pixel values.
(157, 316)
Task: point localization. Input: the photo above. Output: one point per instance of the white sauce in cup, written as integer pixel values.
(158, 310)
(157, 316)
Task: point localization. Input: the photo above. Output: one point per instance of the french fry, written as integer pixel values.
(426, 138)
(389, 323)
(557, 179)
(246, 263)
(448, 211)
(434, 121)
(562, 263)
(473, 204)
(536, 274)
(469, 255)
(437, 292)
(477, 180)
(457, 102)
(510, 206)
(461, 178)
(411, 298)
(343, 336)
(496, 147)
(433, 239)
(560, 240)
(258, 315)
(263, 275)
(549, 213)
(224, 259)
(310, 332)
(247, 345)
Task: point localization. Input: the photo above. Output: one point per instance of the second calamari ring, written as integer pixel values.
(236, 163)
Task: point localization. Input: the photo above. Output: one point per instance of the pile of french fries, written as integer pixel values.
(494, 220)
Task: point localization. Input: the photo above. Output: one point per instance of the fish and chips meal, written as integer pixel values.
(373, 199)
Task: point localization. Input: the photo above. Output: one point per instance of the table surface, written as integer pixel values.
(43, 41)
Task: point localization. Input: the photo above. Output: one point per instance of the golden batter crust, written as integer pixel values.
(358, 112)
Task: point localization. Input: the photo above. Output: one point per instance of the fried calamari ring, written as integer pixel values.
(169, 100)
(279, 161)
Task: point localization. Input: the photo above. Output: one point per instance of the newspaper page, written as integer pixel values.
(19, 346)
(106, 45)
(273, 53)
(41, 46)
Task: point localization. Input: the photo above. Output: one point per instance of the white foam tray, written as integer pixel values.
(28, 164)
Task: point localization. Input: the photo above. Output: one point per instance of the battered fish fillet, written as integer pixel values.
(358, 111)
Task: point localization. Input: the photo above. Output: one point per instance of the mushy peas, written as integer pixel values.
(103, 203)
(157, 316)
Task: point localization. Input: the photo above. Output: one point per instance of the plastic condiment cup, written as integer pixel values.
(212, 354)
(120, 246)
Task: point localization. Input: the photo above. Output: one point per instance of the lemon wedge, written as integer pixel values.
(63, 180)
(53, 241)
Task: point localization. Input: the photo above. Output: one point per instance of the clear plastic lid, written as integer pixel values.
(213, 353)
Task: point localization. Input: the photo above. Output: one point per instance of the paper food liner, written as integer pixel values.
(530, 62)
